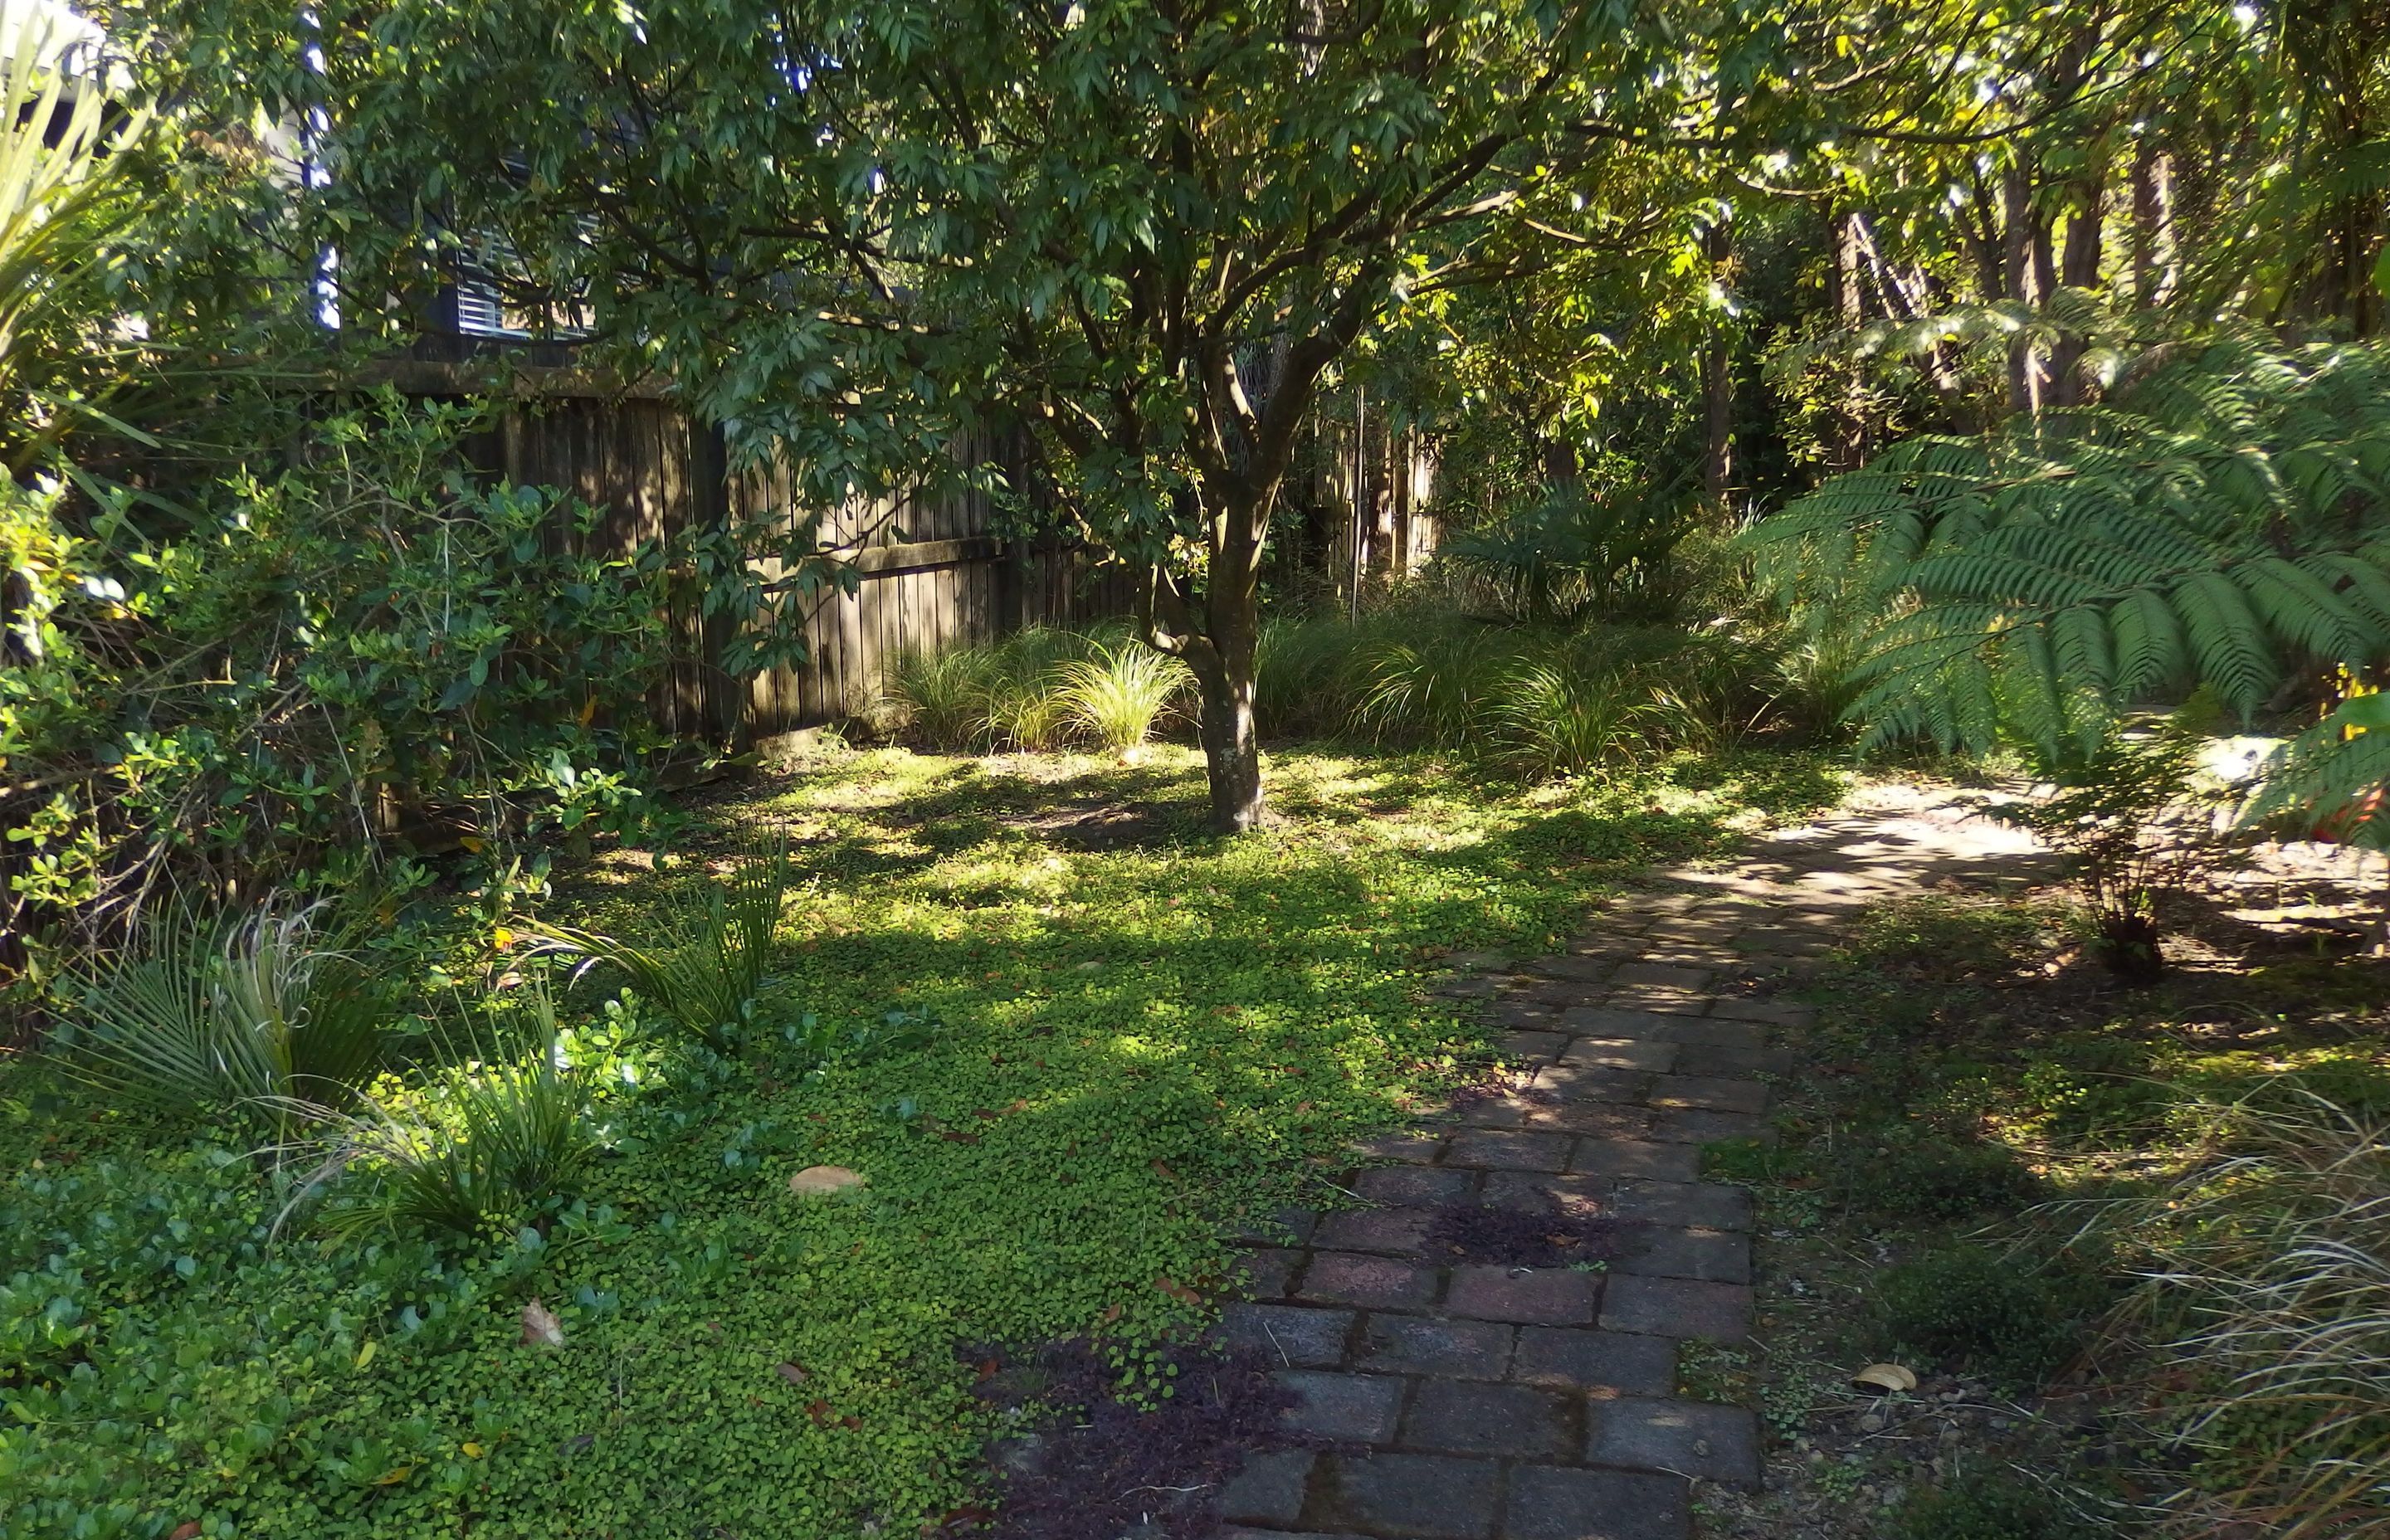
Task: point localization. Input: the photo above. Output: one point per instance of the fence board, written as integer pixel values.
(931, 574)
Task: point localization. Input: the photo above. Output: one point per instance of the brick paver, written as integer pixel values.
(1468, 1401)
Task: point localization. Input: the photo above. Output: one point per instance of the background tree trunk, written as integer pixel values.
(2078, 267)
(2021, 244)
(1717, 381)
(1849, 450)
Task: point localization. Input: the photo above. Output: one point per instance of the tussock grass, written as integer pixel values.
(1118, 692)
(484, 1140)
(1542, 702)
(2266, 1284)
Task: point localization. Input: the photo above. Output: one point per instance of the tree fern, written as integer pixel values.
(2221, 521)
(2331, 778)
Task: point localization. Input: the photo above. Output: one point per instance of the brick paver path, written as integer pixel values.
(1490, 1402)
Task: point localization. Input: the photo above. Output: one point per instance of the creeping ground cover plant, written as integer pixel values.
(1141, 1031)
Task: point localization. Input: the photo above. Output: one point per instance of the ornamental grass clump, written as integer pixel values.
(486, 1141)
(2266, 1284)
(1117, 693)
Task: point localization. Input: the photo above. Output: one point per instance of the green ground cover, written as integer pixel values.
(1137, 1032)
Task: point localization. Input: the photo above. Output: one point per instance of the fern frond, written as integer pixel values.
(2222, 522)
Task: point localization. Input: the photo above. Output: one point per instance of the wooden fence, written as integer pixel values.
(931, 572)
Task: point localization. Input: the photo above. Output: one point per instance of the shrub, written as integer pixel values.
(1116, 694)
(1987, 1312)
(2137, 819)
(711, 953)
(1988, 1508)
(350, 638)
(253, 1017)
(1936, 1179)
(1570, 551)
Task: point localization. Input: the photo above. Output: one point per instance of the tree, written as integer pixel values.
(1143, 231)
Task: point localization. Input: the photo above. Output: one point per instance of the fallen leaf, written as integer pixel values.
(956, 1135)
(987, 1370)
(1161, 1169)
(1178, 1292)
(366, 1354)
(394, 1476)
(187, 1529)
(818, 1411)
(1111, 1314)
(1886, 1377)
(540, 1326)
(815, 1181)
(790, 1372)
(472, 1451)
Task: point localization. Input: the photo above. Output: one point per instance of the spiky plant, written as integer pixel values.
(705, 959)
(1117, 693)
(484, 1140)
(258, 1017)
(2221, 521)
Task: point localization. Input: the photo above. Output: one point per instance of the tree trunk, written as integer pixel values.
(1232, 755)
(2154, 273)
(1223, 661)
(2078, 269)
(1219, 635)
